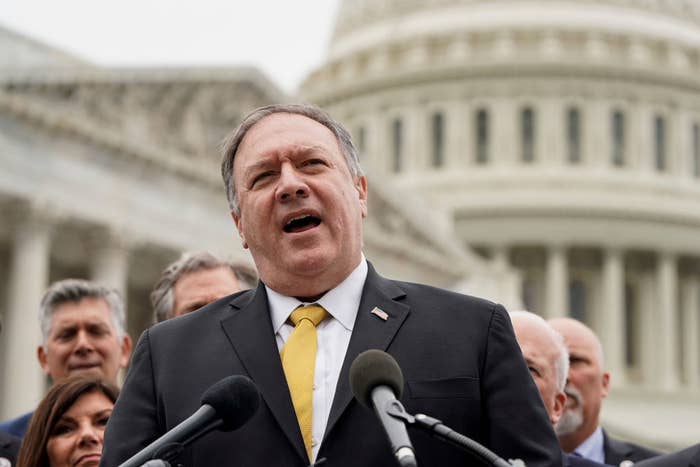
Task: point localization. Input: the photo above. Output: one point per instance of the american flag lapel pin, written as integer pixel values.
(380, 313)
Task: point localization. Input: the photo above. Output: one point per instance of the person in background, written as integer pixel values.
(548, 360)
(83, 330)
(578, 430)
(66, 430)
(195, 280)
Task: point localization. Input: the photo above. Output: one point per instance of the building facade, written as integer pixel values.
(561, 139)
(109, 174)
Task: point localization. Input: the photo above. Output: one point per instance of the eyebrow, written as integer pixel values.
(265, 162)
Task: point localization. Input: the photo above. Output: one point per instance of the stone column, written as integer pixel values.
(23, 381)
(667, 322)
(690, 293)
(415, 136)
(595, 135)
(459, 144)
(110, 261)
(612, 315)
(557, 282)
(504, 140)
(551, 127)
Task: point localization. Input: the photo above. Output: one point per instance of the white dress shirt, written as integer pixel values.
(592, 447)
(333, 336)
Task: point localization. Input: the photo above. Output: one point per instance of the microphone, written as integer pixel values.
(377, 382)
(226, 405)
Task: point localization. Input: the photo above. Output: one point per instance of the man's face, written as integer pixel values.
(82, 339)
(300, 208)
(539, 351)
(196, 289)
(587, 383)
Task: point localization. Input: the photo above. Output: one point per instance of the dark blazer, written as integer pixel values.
(617, 451)
(9, 446)
(16, 426)
(688, 457)
(458, 354)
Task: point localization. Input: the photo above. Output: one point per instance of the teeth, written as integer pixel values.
(296, 218)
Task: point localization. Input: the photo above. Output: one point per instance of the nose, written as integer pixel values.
(90, 436)
(291, 184)
(84, 343)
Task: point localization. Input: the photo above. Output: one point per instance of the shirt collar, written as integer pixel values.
(592, 447)
(341, 302)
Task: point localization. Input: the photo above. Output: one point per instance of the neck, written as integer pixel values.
(571, 441)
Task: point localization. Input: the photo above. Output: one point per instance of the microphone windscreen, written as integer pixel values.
(373, 368)
(235, 399)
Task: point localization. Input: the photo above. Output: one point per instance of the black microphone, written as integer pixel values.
(377, 382)
(226, 405)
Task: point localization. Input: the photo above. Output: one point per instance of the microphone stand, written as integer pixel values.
(444, 433)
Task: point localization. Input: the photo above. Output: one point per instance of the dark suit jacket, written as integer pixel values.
(617, 451)
(9, 446)
(16, 426)
(688, 457)
(458, 354)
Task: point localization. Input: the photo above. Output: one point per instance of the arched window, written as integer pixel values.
(438, 137)
(397, 145)
(482, 136)
(573, 135)
(618, 138)
(577, 300)
(527, 134)
(660, 143)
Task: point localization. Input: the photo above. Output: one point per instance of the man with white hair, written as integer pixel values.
(548, 360)
(83, 330)
(579, 431)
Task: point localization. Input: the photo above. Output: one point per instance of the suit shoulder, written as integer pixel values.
(618, 450)
(415, 291)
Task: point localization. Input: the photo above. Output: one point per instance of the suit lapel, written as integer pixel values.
(369, 332)
(250, 332)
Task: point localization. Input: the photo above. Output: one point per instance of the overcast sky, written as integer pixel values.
(284, 38)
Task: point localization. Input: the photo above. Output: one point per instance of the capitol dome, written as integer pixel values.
(562, 139)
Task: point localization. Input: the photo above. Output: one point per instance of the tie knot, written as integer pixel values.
(314, 313)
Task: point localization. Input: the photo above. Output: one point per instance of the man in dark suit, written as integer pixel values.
(9, 446)
(588, 383)
(688, 457)
(298, 197)
(548, 360)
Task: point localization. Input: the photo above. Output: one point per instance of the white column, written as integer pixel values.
(551, 131)
(667, 322)
(596, 133)
(23, 382)
(691, 327)
(459, 133)
(110, 261)
(612, 331)
(557, 282)
(415, 136)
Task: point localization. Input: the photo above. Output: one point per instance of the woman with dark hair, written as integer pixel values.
(68, 426)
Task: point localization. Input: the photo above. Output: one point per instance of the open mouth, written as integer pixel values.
(301, 223)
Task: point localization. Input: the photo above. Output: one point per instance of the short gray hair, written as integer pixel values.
(233, 141)
(561, 363)
(162, 297)
(74, 290)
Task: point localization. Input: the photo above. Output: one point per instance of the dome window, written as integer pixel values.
(696, 150)
(438, 138)
(573, 135)
(397, 145)
(482, 136)
(618, 139)
(660, 156)
(527, 134)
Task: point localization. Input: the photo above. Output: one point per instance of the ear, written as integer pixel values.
(558, 408)
(606, 383)
(239, 226)
(361, 187)
(43, 360)
(125, 351)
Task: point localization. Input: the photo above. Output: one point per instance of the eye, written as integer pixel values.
(312, 162)
(261, 177)
(102, 421)
(533, 370)
(61, 429)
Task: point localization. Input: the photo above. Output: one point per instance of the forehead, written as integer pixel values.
(578, 339)
(86, 310)
(535, 342)
(283, 133)
(89, 403)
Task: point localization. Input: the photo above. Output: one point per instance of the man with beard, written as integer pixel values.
(548, 361)
(588, 384)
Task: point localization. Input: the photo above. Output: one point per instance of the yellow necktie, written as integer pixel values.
(298, 360)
